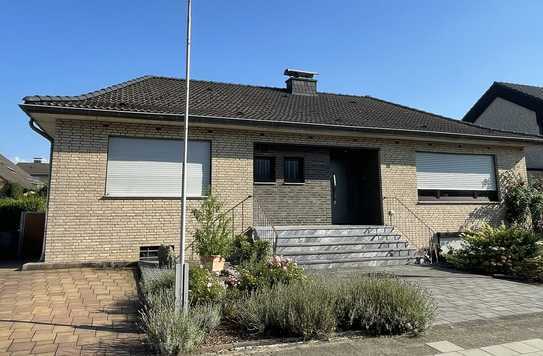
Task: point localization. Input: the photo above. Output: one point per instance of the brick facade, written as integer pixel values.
(83, 225)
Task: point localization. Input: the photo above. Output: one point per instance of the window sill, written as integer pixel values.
(293, 183)
(264, 183)
(457, 202)
(203, 197)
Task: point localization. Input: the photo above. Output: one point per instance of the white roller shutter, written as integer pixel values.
(443, 171)
(142, 167)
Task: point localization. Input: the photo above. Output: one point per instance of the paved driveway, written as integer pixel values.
(465, 297)
(68, 312)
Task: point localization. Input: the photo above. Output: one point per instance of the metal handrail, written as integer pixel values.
(231, 210)
(412, 214)
(260, 219)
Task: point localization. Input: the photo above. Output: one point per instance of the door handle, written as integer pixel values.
(334, 186)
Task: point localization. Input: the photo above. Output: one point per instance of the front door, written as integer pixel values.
(355, 187)
(339, 189)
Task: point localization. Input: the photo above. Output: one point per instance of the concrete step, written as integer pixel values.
(354, 263)
(306, 239)
(349, 254)
(325, 246)
(332, 230)
(283, 247)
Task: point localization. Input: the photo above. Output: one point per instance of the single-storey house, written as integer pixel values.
(282, 157)
(37, 169)
(11, 173)
(516, 108)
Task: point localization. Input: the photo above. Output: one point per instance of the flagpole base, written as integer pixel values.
(181, 287)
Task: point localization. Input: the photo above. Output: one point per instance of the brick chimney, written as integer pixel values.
(37, 159)
(301, 82)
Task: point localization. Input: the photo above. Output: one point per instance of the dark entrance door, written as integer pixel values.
(355, 187)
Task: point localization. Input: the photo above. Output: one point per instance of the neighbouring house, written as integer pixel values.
(10, 173)
(37, 169)
(291, 160)
(513, 107)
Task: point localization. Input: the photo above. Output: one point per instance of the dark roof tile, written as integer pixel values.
(162, 95)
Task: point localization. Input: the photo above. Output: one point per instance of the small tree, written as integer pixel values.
(523, 201)
(214, 235)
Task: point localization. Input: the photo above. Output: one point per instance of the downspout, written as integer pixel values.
(35, 127)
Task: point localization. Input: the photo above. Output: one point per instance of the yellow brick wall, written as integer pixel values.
(83, 225)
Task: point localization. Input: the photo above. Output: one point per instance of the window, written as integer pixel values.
(144, 167)
(445, 176)
(264, 169)
(294, 170)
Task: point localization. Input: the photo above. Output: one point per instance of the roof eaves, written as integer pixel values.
(178, 117)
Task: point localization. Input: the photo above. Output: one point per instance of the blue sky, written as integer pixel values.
(438, 56)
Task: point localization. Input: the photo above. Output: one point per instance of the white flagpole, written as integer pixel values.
(181, 280)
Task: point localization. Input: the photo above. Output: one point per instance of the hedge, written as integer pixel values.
(11, 209)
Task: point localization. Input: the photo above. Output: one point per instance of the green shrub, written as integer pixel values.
(12, 190)
(214, 235)
(383, 305)
(158, 279)
(303, 309)
(205, 287)
(495, 250)
(170, 332)
(11, 209)
(246, 250)
(258, 274)
(166, 257)
(531, 269)
(523, 201)
(374, 305)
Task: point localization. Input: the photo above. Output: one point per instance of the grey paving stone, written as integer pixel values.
(536, 343)
(444, 346)
(520, 347)
(499, 350)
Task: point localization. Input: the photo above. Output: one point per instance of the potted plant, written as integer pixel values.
(213, 237)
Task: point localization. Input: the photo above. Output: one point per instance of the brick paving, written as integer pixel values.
(462, 297)
(79, 311)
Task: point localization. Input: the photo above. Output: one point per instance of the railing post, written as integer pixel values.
(242, 216)
(233, 223)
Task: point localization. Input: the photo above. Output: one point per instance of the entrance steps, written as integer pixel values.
(336, 246)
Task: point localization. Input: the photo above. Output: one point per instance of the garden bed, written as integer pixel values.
(260, 297)
(300, 310)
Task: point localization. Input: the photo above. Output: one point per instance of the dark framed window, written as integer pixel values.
(264, 169)
(460, 195)
(294, 170)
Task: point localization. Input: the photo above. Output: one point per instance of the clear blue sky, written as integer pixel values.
(438, 56)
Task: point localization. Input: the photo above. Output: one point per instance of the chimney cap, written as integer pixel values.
(296, 73)
(37, 159)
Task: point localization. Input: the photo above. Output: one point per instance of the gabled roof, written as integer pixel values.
(528, 96)
(13, 174)
(35, 168)
(161, 98)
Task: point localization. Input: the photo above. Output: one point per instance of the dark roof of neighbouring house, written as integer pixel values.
(162, 98)
(35, 168)
(528, 96)
(13, 174)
